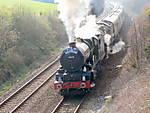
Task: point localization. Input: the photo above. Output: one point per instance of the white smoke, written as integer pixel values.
(79, 18)
(74, 13)
(133, 7)
(118, 47)
(89, 29)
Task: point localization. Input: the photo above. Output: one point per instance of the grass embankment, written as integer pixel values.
(30, 33)
(35, 6)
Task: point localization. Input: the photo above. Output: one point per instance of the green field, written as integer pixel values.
(7, 7)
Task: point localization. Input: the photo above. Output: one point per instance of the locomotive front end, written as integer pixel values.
(73, 73)
(75, 80)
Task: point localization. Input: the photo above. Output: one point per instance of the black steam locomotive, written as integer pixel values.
(81, 61)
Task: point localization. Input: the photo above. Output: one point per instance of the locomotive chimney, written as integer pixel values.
(72, 44)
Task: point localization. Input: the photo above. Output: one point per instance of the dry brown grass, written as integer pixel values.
(133, 95)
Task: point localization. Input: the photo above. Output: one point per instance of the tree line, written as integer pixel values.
(26, 40)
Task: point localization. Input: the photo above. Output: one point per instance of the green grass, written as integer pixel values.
(4, 87)
(8, 6)
(7, 85)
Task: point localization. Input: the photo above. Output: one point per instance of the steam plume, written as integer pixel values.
(74, 13)
(79, 18)
(89, 29)
(118, 47)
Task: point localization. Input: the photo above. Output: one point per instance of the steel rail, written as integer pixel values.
(55, 109)
(33, 92)
(61, 102)
(77, 108)
(28, 82)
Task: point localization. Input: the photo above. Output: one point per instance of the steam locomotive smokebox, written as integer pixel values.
(72, 59)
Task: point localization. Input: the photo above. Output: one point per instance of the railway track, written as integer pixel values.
(69, 105)
(21, 95)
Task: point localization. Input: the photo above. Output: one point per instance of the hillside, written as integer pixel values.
(131, 88)
(7, 7)
(126, 76)
(30, 34)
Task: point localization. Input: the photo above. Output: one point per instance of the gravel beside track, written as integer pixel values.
(29, 77)
(69, 105)
(26, 91)
(43, 101)
(103, 84)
